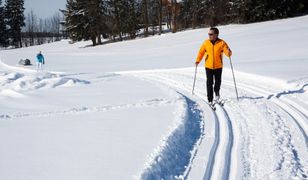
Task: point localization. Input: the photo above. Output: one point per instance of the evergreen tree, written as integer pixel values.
(14, 15)
(3, 33)
(94, 20)
(262, 10)
(122, 17)
(153, 12)
(199, 17)
(74, 14)
(196, 13)
(238, 11)
(118, 7)
(130, 19)
(188, 15)
(85, 20)
(89, 19)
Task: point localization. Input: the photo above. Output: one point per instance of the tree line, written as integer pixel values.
(118, 19)
(127, 19)
(39, 31)
(18, 29)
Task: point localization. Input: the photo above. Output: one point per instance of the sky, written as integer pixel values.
(44, 8)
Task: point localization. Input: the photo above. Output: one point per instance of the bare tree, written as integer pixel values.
(40, 31)
(31, 26)
(55, 25)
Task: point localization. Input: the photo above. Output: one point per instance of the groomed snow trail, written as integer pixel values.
(219, 156)
(90, 121)
(263, 136)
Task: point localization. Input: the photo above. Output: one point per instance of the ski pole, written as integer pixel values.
(234, 78)
(194, 79)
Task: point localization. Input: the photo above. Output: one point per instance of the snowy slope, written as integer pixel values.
(125, 110)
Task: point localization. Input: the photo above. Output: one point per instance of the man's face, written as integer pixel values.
(212, 35)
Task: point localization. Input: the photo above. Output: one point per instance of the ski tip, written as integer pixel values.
(212, 106)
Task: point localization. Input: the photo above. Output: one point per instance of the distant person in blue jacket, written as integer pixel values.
(39, 62)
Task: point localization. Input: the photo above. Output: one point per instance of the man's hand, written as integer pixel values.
(229, 52)
(196, 63)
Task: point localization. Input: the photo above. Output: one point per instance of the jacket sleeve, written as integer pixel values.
(227, 50)
(201, 53)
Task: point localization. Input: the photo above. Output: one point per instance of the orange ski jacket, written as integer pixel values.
(213, 53)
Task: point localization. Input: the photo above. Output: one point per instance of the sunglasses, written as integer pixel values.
(211, 34)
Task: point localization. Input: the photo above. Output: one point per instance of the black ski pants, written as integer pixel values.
(211, 75)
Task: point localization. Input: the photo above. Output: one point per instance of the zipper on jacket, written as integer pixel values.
(213, 55)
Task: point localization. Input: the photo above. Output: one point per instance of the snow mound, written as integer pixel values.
(11, 93)
(13, 82)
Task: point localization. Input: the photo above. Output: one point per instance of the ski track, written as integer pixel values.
(77, 110)
(219, 164)
(281, 131)
(285, 147)
(298, 113)
(287, 158)
(293, 110)
(289, 106)
(210, 164)
(223, 159)
(229, 145)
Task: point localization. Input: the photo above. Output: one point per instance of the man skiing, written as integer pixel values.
(39, 61)
(213, 48)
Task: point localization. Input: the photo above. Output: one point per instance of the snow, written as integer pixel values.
(125, 111)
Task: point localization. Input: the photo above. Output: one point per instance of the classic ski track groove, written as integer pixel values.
(225, 149)
(299, 118)
(297, 113)
(290, 110)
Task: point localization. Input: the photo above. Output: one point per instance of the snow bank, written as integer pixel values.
(13, 84)
(172, 158)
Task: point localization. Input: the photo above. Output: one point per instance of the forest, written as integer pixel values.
(118, 20)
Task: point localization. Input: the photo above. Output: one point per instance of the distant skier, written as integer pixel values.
(213, 48)
(39, 61)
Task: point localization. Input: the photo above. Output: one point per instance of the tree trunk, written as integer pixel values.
(99, 40)
(93, 38)
(173, 16)
(119, 26)
(146, 18)
(99, 35)
(19, 39)
(160, 16)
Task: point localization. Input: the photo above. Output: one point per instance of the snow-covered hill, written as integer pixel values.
(125, 110)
